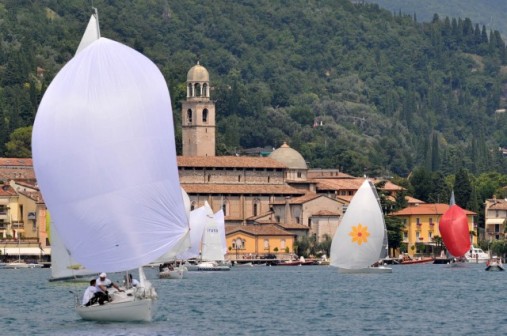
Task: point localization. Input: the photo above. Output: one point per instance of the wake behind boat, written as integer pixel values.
(112, 186)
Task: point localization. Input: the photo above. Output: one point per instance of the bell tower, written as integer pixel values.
(198, 115)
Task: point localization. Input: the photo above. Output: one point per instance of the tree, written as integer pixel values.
(19, 145)
(462, 188)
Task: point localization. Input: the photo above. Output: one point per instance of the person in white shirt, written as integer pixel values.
(103, 283)
(89, 296)
(131, 282)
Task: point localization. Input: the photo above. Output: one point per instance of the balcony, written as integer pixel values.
(16, 225)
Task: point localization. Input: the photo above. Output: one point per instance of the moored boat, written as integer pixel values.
(494, 264)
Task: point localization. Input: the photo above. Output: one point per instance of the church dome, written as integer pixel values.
(288, 156)
(197, 73)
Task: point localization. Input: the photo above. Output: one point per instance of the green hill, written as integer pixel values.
(490, 13)
(348, 85)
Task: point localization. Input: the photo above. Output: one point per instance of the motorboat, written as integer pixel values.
(494, 264)
(476, 255)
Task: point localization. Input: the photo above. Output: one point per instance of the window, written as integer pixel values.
(431, 222)
(239, 178)
(198, 90)
(299, 174)
(282, 243)
(309, 222)
(205, 116)
(189, 116)
(266, 244)
(405, 235)
(255, 208)
(417, 234)
(297, 220)
(430, 234)
(418, 221)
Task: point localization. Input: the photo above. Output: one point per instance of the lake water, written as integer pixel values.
(309, 300)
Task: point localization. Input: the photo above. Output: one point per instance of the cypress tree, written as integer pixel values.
(462, 188)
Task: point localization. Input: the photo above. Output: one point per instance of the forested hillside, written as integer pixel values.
(348, 85)
(484, 12)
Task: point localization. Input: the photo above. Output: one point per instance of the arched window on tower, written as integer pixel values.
(189, 116)
(192, 206)
(198, 90)
(205, 90)
(190, 92)
(205, 115)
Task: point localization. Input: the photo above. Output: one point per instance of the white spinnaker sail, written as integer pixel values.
(91, 34)
(220, 220)
(211, 240)
(63, 266)
(198, 219)
(359, 237)
(105, 159)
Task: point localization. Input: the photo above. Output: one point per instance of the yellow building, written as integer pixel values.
(253, 241)
(421, 226)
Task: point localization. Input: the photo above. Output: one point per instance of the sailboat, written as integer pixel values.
(20, 264)
(105, 161)
(212, 243)
(453, 227)
(63, 266)
(176, 269)
(360, 240)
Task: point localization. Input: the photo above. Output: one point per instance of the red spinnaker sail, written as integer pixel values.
(453, 227)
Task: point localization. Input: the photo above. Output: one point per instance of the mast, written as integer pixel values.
(97, 21)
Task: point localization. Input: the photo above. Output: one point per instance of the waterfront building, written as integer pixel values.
(495, 213)
(421, 226)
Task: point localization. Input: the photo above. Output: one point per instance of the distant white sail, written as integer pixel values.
(359, 238)
(91, 34)
(220, 220)
(105, 159)
(63, 266)
(198, 219)
(212, 246)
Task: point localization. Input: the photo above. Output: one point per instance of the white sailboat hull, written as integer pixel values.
(368, 270)
(177, 273)
(126, 311)
(18, 265)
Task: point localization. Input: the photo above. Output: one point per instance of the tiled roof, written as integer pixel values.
(426, 209)
(388, 186)
(229, 162)
(16, 162)
(269, 189)
(7, 190)
(339, 184)
(352, 184)
(326, 213)
(293, 226)
(33, 195)
(301, 199)
(498, 204)
(258, 230)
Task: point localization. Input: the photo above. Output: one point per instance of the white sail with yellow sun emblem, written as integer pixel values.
(359, 237)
